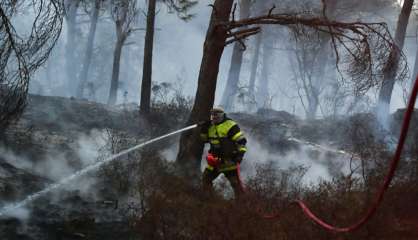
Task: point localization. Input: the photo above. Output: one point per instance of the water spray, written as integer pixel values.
(83, 171)
(321, 147)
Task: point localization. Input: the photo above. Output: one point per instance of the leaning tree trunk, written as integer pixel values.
(147, 65)
(231, 87)
(114, 84)
(389, 72)
(89, 50)
(190, 150)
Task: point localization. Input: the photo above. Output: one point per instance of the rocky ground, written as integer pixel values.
(52, 126)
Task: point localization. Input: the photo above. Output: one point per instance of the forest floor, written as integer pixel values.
(57, 134)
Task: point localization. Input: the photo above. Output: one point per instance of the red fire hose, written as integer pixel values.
(388, 178)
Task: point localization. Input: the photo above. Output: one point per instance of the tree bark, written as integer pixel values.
(114, 84)
(147, 65)
(231, 87)
(389, 72)
(190, 150)
(89, 50)
(71, 7)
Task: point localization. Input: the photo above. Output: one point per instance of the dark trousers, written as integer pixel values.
(210, 175)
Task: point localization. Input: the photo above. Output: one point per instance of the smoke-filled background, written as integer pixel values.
(284, 64)
(295, 100)
(177, 57)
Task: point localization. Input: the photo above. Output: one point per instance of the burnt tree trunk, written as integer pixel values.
(147, 65)
(114, 84)
(389, 72)
(190, 149)
(231, 88)
(89, 50)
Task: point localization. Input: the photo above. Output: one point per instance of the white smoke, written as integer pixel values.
(258, 154)
(55, 166)
(319, 167)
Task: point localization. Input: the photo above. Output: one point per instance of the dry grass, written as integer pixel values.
(176, 209)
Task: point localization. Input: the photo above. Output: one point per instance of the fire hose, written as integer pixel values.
(380, 194)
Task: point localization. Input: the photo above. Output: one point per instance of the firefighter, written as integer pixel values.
(227, 149)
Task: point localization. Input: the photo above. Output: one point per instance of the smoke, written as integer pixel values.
(178, 47)
(170, 153)
(258, 154)
(320, 166)
(22, 214)
(56, 166)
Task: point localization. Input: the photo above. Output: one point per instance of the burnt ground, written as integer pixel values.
(53, 124)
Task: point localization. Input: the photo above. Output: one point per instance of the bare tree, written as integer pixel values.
(390, 69)
(21, 54)
(70, 13)
(180, 7)
(363, 46)
(231, 88)
(190, 150)
(89, 48)
(262, 95)
(147, 65)
(306, 54)
(124, 13)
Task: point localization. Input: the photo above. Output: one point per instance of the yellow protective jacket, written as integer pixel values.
(227, 142)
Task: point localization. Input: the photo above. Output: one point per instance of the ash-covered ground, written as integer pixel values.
(58, 136)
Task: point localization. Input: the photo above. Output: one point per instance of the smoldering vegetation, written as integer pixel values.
(335, 165)
(313, 128)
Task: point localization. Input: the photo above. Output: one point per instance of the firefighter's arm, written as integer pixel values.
(237, 136)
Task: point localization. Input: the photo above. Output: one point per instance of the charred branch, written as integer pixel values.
(362, 49)
(241, 35)
(21, 55)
